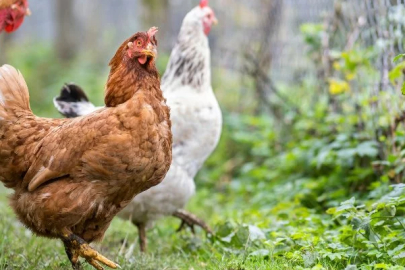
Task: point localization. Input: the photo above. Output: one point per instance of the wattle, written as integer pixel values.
(142, 59)
(207, 28)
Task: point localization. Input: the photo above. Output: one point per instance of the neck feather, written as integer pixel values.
(125, 80)
(189, 63)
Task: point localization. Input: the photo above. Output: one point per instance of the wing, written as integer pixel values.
(196, 122)
(48, 160)
(64, 148)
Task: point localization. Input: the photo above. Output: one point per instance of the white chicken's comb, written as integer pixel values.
(203, 3)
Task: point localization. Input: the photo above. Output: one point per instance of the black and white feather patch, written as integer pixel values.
(72, 101)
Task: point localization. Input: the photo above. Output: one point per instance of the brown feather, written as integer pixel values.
(77, 174)
(7, 3)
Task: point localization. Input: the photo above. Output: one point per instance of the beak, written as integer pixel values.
(150, 51)
(215, 21)
(28, 12)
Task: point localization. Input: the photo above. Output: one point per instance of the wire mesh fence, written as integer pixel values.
(244, 25)
(349, 23)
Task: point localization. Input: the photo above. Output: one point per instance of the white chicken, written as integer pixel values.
(196, 123)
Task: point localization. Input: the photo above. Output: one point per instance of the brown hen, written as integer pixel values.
(72, 176)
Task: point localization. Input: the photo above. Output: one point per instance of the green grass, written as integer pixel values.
(20, 249)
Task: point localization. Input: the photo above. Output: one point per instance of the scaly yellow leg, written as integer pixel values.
(76, 247)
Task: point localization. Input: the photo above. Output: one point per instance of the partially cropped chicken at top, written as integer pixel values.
(72, 176)
(196, 123)
(12, 13)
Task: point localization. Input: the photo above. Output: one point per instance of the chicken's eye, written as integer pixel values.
(138, 43)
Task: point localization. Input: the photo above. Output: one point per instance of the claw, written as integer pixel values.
(181, 227)
(190, 220)
(76, 247)
(92, 256)
(95, 264)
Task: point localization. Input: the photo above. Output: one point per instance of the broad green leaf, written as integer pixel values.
(368, 149)
(400, 255)
(255, 233)
(392, 210)
(260, 253)
(396, 72)
(399, 56)
(381, 266)
(356, 222)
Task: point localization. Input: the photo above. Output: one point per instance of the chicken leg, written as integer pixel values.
(76, 247)
(142, 235)
(190, 220)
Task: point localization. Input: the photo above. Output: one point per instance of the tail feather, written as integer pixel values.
(14, 94)
(73, 102)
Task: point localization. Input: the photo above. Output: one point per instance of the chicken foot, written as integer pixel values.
(76, 247)
(190, 220)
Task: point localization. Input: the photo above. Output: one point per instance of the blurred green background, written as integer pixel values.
(309, 171)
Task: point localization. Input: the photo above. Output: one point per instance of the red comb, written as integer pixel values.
(203, 3)
(152, 31)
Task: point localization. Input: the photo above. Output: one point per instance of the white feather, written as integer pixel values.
(79, 108)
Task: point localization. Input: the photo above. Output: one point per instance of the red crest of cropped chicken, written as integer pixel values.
(12, 14)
